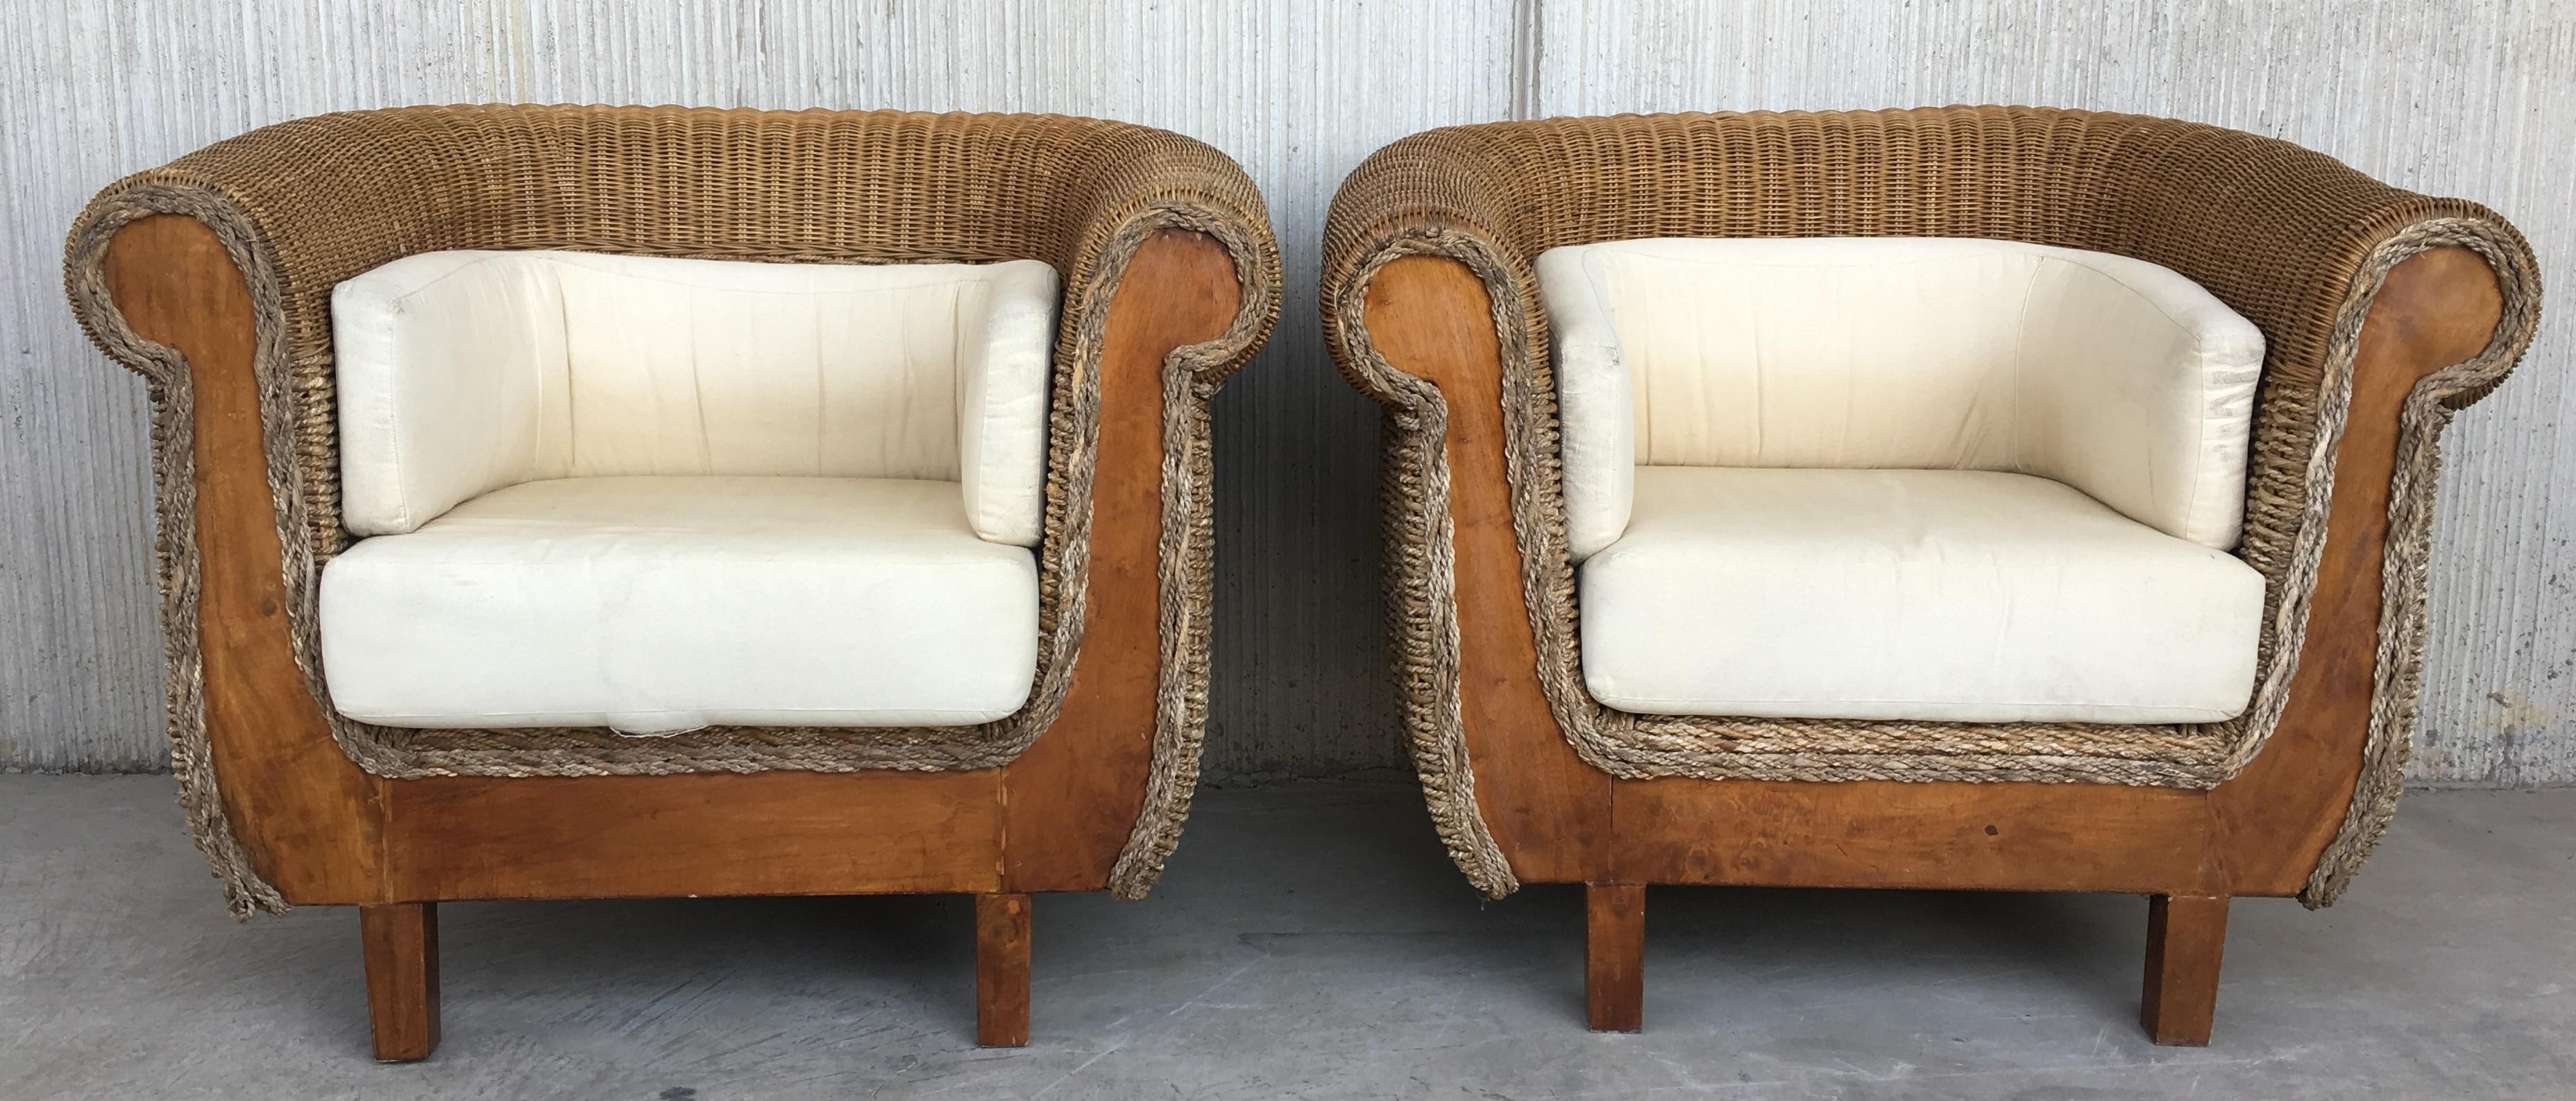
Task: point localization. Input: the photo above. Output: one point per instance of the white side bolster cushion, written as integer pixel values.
(1002, 402)
(450, 369)
(1594, 405)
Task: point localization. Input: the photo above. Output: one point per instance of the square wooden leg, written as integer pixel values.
(1002, 970)
(1614, 955)
(2186, 934)
(401, 947)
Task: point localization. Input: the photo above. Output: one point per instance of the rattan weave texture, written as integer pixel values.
(305, 204)
(2292, 239)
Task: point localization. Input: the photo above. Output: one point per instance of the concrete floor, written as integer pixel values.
(1308, 942)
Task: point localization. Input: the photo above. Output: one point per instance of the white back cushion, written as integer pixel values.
(463, 372)
(2116, 376)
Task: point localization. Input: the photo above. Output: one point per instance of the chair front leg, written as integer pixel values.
(2186, 934)
(1614, 951)
(1002, 970)
(401, 945)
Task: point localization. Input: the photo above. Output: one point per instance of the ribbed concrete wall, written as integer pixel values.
(2468, 97)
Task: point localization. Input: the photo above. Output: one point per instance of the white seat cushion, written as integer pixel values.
(664, 604)
(463, 372)
(2119, 377)
(1910, 594)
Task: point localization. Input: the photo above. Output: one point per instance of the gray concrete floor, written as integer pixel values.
(1309, 941)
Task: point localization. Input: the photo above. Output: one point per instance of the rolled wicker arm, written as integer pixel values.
(2298, 243)
(301, 206)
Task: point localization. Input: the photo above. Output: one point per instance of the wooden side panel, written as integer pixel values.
(308, 818)
(2435, 310)
(1549, 812)
(1073, 797)
(2092, 837)
(770, 833)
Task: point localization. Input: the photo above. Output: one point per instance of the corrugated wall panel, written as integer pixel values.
(1298, 93)
(2468, 97)
(92, 90)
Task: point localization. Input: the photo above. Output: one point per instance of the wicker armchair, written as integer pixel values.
(2378, 313)
(214, 277)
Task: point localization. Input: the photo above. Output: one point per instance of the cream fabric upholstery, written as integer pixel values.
(1910, 594)
(2113, 375)
(464, 372)
(659, 604)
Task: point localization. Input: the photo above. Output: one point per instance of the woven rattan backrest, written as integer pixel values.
(2127, 184)
(324, 198)
(883, 186)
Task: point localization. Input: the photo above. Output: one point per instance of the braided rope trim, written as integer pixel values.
(1191, 376)
(2397, 671)
(174, 552)
(1422, 602)
(1185, 552)
(1420, 573)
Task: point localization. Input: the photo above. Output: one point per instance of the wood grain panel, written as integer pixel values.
(771, 833)
(1073, 797)
(1886, 834)
(2435, 310)
(1548, 811)
(308, 818)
